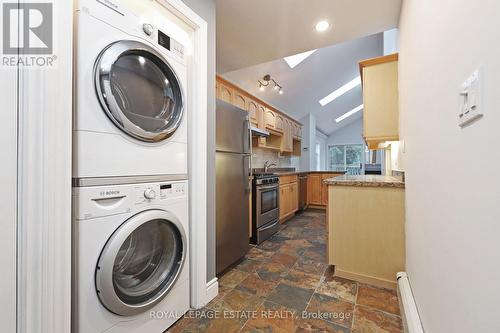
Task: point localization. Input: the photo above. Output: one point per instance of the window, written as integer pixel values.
(318, 156)
(347, 158)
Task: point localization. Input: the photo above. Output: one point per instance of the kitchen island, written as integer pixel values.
(366, 237)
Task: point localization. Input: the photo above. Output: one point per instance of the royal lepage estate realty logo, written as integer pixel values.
(28, 35)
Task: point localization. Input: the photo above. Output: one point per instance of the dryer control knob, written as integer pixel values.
(148, 29)
(150, 194)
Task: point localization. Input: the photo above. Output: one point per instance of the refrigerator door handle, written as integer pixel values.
(246, 173)
(246, 132)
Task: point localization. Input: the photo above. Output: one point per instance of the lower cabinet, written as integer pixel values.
(314, 189)
(289, 197)
(317, 190)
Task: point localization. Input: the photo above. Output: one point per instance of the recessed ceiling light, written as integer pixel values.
(348, 114)
(322, 26)
(296, 59)
(342, 90)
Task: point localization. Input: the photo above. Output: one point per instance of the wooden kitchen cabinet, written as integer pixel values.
(240, 100)
(324, 188)
(380, 100)
(279, 123)
(287, 141)
(253, 112)
(366, 233)
(314, 189)
(289, 197)
(285, 131)
(269, 119)
(317, 190)
(294, 197)
(225, 92)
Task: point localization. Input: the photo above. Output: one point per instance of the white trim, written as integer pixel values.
(212, 289)
(8, 198)
(44, 183)
(409, 311)
(197, 149)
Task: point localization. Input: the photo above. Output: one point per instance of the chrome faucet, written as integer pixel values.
(267, 165)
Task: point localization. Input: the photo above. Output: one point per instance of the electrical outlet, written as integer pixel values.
(471, 99)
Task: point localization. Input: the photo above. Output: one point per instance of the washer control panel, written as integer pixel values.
(148, 29)
(149, 193)
(99, 201)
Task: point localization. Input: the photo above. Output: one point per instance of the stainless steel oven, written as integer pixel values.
(265, 204)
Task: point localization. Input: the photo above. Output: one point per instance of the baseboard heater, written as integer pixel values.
(409, 313)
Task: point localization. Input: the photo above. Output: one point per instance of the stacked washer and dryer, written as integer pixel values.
(130, 195)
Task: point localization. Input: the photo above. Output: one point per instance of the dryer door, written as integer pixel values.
(141, 262)
(139, 91)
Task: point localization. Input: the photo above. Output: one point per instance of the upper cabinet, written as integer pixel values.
(253, 112)
(280, 123)
(269, 119)
(225, 92)
(380, 99)
(240, 100)
(296, 131)
(285, 132)
(287, 141)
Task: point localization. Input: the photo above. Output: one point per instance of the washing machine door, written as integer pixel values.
(140, 262)
(139, 91)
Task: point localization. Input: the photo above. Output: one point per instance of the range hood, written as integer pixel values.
(259, 132)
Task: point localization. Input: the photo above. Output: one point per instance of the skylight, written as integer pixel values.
(339, 92)
(294, 60)
(348, 114)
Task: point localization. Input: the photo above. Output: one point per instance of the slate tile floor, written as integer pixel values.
(286, 275)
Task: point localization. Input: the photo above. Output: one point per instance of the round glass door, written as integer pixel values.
(140, 262)
(139, 91)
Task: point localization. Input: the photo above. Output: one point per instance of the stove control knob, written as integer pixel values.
(148, 29)
(150, 194)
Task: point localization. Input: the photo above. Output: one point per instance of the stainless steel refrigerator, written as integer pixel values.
(233, 168)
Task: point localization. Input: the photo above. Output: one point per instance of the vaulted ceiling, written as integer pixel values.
(317, 76)
(251, 32)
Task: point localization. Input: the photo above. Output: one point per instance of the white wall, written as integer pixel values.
(206, 9)
(308, 142)
(349, 134)
(453, 186)
(321, 139)
(391, 41)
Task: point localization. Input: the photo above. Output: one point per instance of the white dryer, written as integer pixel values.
(130, 115)
(131, 266)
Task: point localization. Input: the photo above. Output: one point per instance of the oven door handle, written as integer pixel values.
(269, 187)
(269, 227)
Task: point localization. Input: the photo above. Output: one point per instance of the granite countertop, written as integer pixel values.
(366, 181)
(287, 173)
(292, 171)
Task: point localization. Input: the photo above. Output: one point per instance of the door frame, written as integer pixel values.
(202, 291)
(9, 80)
(45, 104)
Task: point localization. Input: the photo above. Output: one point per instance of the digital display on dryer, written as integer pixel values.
(163, 40)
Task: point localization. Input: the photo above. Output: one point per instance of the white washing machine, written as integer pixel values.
(131, 112)
(130, 252)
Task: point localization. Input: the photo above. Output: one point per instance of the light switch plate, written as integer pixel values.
(471, 98)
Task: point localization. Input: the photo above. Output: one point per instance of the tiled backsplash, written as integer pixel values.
(260, 156)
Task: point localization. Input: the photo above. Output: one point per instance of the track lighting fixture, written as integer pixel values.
(266, 81)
